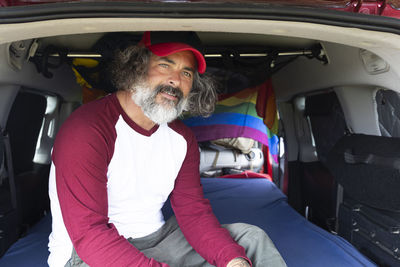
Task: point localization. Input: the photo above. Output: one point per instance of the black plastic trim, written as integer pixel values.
(44, 12)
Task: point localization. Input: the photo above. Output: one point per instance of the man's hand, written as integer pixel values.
(238, 262)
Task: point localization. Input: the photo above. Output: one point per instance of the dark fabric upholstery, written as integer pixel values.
(376, 185)
(327, 121)
(23, 127)
(318, 185)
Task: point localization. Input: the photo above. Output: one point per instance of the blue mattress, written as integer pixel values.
(254, 201)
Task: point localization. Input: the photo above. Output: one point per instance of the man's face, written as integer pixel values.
(175, 70)
(163, 96)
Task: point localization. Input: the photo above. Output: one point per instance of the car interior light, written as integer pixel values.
(373, 64)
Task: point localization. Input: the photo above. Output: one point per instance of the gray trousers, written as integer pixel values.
(168, 245)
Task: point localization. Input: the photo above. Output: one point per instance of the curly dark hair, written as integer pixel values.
(130, 67)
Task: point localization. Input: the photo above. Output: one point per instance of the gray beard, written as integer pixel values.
(159, 113)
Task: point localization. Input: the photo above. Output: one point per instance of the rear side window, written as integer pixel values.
(48, 131)
(388, 108)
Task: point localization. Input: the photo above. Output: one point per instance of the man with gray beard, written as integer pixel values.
(116, 160)
(145, 98)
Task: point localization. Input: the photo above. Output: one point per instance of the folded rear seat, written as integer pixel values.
(368, 168)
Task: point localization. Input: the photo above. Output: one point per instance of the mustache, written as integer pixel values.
(174, 91)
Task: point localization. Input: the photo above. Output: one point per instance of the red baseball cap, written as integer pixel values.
(166, 43)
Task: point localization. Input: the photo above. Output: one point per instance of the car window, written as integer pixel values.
(388, 108)
(47, 131)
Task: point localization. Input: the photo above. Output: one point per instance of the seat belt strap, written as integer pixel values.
(10, 170)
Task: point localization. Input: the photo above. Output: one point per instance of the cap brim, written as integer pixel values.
(165, 49)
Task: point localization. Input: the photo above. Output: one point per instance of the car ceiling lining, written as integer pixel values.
(197, 10)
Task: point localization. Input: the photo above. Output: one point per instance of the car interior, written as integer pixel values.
(325, 88)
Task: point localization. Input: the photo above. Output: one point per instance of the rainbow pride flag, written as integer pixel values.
(243, 114)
